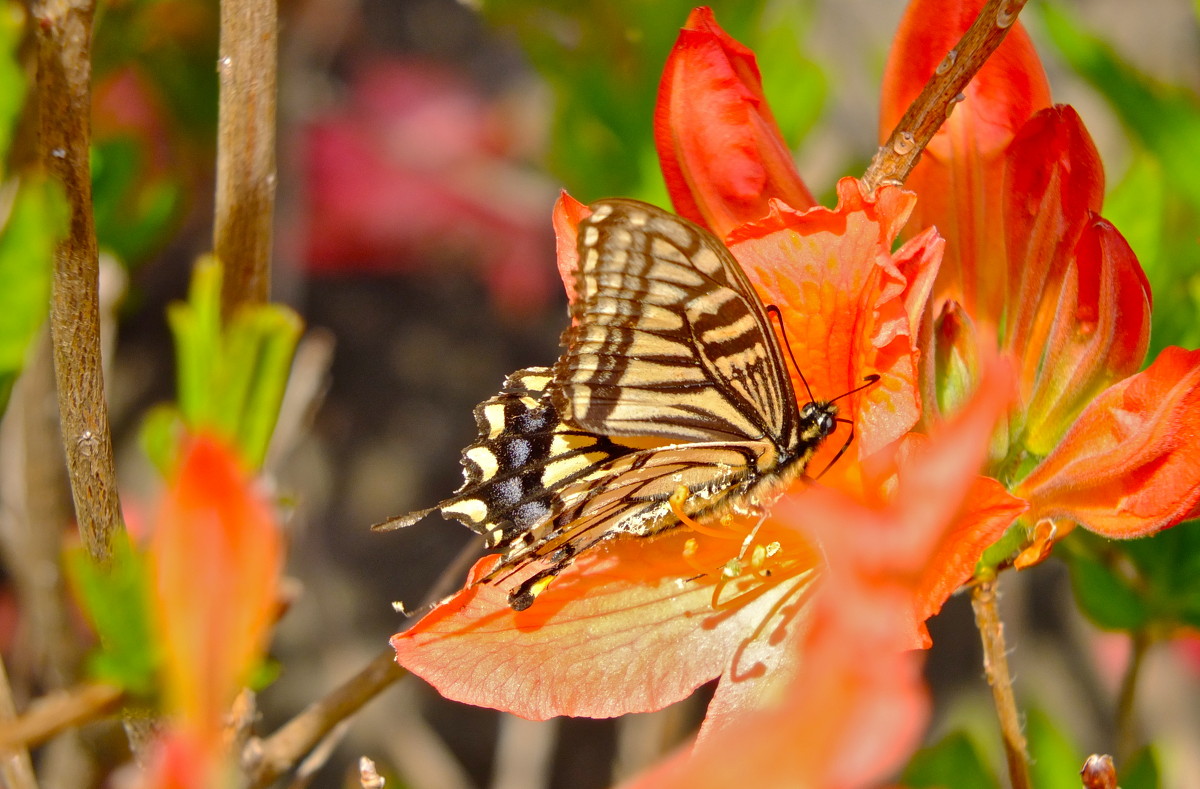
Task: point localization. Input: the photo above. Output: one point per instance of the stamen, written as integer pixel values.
(690, 549)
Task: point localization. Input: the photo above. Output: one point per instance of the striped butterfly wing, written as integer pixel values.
(671, 377)
(669, 337)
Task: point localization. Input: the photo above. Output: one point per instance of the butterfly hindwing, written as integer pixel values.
(524, 452)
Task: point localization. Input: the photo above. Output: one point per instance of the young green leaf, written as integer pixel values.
(232, 374)
(36, 219)
(115, 601)
(955, 762)
(1142, 771)
(1055, 760)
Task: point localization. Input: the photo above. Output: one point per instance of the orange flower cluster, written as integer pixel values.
(1010, 337)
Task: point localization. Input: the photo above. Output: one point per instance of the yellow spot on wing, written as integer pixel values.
(471, 509)
(493, 414)
(486, 460)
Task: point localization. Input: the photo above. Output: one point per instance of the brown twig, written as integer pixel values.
(896, 158)
(16, 769)
(995, 664)
(59, 711)
(64, 34)
(267, 759)
(245, 199)
(1126, 741)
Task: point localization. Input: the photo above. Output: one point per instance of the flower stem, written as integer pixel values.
(995, 665)
(16, 769)
(267, 759)
(896, 158)
(64, 33)
(245, 195)
(58, 712)
(1124, 722)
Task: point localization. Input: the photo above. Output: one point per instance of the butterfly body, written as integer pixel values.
(672, 378)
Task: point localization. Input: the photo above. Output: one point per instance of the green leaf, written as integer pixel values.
(1106, 594)
(1054, 761)
(36, 220)
(1136, 205)
(603, 63)
(159, 437)
(12, 77)
(1168, 566)
(953, 763)
(231, 376)
(795, 85)
(115, 600)
(196, 327)
(1150, 584)
(273, 332)
(1142, 771)
(133, 208)
(1165, 119)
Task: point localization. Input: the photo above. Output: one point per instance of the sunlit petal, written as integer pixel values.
(721, 151)
(1130, 465)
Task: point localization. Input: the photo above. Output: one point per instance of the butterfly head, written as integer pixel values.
(818, 420)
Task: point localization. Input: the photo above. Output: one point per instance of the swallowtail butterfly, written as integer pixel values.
(672, 379)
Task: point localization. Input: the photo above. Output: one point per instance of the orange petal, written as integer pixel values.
(1099, 334)
(215, 557)
(1130, 465)
(959, 175)
(721, 151)
(622, 630)
(849, 306)
(179, 762)
(849, 706)
(853, 713)
(1053, 182)
(568, 213)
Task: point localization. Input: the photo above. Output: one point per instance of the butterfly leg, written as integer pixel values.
(678, 497)
(523, 596)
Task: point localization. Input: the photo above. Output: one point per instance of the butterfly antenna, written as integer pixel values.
(868, 380)
(774, 312)
(842, 451)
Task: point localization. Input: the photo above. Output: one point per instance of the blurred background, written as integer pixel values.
(421, 146)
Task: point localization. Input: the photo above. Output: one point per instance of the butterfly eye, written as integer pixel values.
(828, 423)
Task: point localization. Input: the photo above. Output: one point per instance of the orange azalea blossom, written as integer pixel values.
(1015, 185)
(853, 705)
(215, 559)
(640, 623)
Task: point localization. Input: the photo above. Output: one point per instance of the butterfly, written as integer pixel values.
(671, 402)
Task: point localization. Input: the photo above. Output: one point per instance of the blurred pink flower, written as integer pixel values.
(418, 170)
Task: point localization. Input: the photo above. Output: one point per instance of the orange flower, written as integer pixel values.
(215, 558)
(854, 706)
(641, 623)
(1016, 185)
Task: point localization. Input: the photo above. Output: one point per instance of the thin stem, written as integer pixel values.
(245, 199)
(267, 759)
(1126, 741)
(57, 712)
(995, 665)
(896, 158)
(64, 34)
(16, 769)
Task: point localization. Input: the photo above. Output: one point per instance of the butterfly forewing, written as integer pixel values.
(669, 338)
